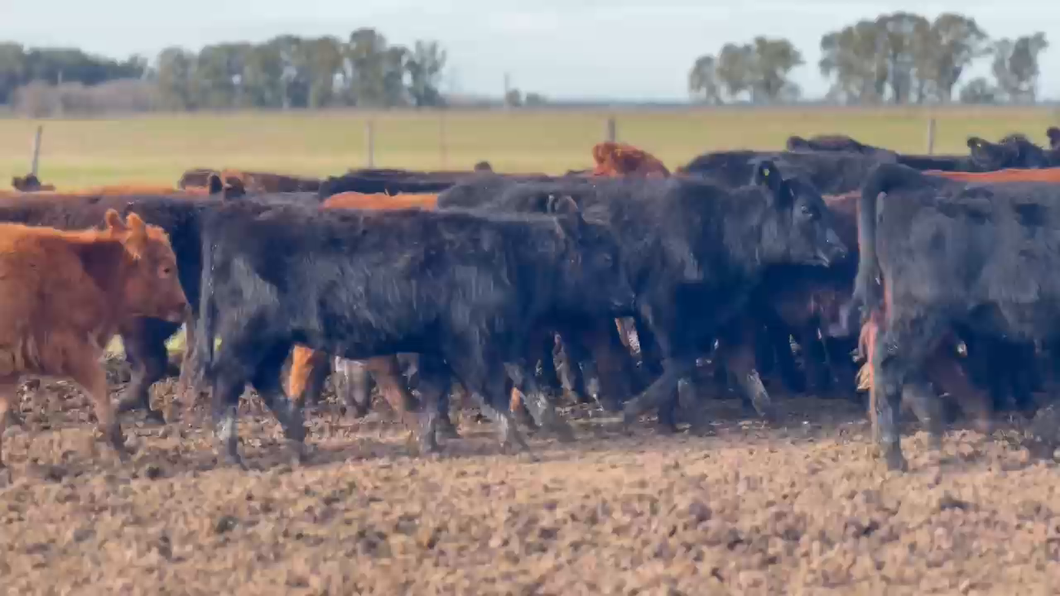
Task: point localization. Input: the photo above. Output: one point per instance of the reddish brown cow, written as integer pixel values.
(63, 295)
(621, 159)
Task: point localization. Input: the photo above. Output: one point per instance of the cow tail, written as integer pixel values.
(205, 330)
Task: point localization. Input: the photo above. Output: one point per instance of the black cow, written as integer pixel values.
(392, 181)
(694, 250)
(840, 143)
(829, 173)
(1013, 151)
(939, 254)
(459, 287)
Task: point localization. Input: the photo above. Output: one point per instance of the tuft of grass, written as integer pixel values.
(157, 148)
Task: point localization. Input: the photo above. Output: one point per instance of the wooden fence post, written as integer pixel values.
(611, 132)
(931, 136)
(36, 150)
(442, 147)
(369, 133)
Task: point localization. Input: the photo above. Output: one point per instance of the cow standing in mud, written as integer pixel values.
(63, 296)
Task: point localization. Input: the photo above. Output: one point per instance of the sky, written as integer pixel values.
(620, 49)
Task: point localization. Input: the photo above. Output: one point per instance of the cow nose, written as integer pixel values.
(839, 250)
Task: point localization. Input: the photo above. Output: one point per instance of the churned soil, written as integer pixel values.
(799, 507)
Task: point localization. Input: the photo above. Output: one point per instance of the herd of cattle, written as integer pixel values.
(610, 284)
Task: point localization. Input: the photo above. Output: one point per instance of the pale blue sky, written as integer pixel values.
(592, 48)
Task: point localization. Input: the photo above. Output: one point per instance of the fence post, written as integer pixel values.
(369, 133)
(611, 134)
(931, 136)
(36, 150)
(442, 147)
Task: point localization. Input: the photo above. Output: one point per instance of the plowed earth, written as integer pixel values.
(800, 507)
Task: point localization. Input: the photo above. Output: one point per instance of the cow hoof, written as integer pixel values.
(299, 451)
(564, 432)
(446, 430)
(934, 442)
(155, 417)
(232, 460)
(895, 461)
(129, 404)
(665, 428)
(14, 417)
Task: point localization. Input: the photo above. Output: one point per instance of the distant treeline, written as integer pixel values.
(898, 58)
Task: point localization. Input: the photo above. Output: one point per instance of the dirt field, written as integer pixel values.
(799, 508)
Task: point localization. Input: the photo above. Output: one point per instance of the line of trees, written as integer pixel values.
(899, 58)
(284, 72)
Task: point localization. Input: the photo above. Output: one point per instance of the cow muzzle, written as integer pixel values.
(832, 251)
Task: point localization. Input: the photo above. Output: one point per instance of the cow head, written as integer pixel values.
(483, 166)
(1013, 151)
(151, 287)
(1054, 137)
(797, 227)
(594, 278)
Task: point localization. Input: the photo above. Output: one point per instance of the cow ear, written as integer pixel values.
(114, 222)
(977, 144)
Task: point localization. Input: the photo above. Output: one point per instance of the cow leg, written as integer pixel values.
(948, 374)
(739, 359)
(567, 355)
(818, 375)
(540, 408)
(387, 373)
(614, 363)
(899, 351)
(486, 380)
(352, 385)
(549, 376)
(145, 350)
(8, 404)
(304, 363)
(190, 381)
(436, 381)
(85, 370)
(266, 381)
(927, 407)
(661, 392)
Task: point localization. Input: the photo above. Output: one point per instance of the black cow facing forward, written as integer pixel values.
(938, 254)
(456, 286)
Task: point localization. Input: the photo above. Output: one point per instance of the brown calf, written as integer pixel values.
(620, 159)
(63, 295)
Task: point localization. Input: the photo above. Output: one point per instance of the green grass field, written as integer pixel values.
(158, 148)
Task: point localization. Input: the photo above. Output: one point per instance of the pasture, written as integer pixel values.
(157, 149)
(793, 506)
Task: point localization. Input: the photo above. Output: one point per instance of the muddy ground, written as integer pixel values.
(797, 508)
